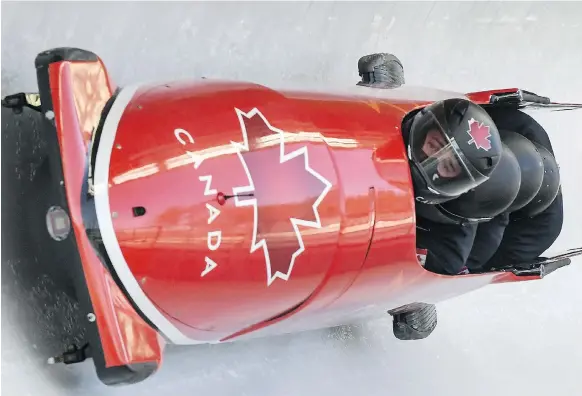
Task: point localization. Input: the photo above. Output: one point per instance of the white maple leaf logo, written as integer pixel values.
(279, 259)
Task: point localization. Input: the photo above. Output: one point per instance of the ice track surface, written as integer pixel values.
(502, 340)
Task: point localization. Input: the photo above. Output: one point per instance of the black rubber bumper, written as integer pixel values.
(66, 251)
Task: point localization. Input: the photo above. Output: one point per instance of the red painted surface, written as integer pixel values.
(79, 92)
(173, 155)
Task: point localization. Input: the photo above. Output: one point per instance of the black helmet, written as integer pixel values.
(549, 188)
(488, 199)
(453, 146)
(530, 164)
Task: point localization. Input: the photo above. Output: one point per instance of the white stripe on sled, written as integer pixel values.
(101, 183)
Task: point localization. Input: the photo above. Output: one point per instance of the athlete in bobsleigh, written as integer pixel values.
(211, 211)
(481, 204)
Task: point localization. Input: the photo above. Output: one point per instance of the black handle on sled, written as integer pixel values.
(531, 97)
(542, 266)
(18, 101)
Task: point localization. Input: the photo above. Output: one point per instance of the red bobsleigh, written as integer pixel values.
(211, 211)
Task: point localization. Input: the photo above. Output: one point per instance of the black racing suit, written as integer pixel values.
(504, 240)
(448, 245)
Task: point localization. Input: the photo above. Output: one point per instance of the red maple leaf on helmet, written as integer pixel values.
(480, 135)
(280, 184)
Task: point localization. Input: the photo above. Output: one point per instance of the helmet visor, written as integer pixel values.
(441, 162)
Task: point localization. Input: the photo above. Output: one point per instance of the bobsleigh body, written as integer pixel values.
(212, 211)
(229, 210)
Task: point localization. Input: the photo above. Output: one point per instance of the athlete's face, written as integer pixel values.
(448, 165)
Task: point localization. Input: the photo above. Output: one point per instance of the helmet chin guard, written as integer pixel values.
(424, 193)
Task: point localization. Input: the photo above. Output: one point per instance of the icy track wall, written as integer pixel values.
(503, 340)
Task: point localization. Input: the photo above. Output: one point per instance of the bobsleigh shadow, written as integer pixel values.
(38, 307)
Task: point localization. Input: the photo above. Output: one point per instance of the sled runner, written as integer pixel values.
(213, 211)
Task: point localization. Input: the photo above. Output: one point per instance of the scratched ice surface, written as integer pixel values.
(503, 340)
